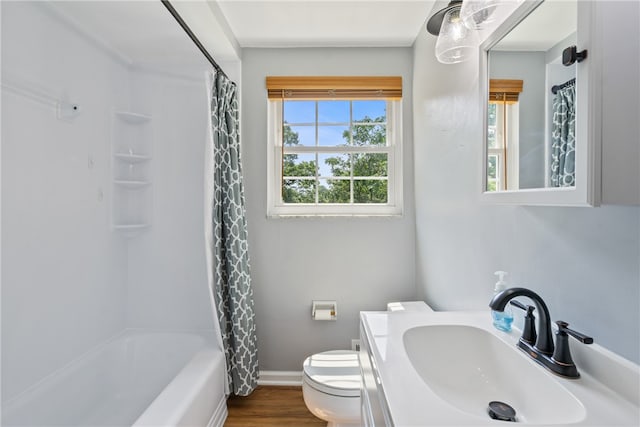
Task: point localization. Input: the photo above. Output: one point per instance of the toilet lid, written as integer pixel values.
(334, 372)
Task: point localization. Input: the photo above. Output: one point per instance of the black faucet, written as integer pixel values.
(559, 361)
(544, 343)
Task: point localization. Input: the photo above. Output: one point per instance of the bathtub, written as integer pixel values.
(139, 378)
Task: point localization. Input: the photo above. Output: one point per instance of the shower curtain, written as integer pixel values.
(226, 239)
(563, 138)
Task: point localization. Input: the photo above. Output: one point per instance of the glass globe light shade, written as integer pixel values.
(456, 43)
(477, 14)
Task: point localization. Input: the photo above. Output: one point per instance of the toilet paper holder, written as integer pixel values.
(324, 310)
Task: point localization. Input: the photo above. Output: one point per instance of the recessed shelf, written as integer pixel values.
(129, 227)
(132, 158)
(131, 148)
(133, 118)
(130, 230)
(132, 184)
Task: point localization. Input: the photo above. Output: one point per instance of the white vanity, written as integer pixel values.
(443, 368)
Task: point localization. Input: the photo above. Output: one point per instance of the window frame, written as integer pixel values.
(511, 112)
(276, 208)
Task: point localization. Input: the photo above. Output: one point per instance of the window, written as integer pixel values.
(334, 151)
(503, 135)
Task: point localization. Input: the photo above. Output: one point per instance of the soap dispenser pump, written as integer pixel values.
(501, 319)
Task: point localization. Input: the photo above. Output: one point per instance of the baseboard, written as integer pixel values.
(220, 415)
(280, 378)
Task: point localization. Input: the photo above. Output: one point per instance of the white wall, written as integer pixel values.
(167, 278)
(584, 262)
(63, 275)
(361, 262)
(70, 282)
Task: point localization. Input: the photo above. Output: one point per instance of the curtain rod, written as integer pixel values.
(192, 36)
(556, 88)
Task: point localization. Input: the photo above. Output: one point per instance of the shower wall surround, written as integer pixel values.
(63, 270)
(70, 280)
(167, 278)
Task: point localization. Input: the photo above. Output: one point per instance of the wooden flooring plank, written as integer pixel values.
(271, 406)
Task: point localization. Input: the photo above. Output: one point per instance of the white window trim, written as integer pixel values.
(277, 209)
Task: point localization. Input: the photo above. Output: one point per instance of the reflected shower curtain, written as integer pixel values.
(226, 236)
(563, 138)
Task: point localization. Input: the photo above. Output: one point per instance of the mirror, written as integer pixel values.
(536, 140)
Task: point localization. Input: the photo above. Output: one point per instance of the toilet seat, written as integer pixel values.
(336, 373)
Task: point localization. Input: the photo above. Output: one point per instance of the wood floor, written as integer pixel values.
(270, 406)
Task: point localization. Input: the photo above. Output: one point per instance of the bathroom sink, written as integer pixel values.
(468, 367)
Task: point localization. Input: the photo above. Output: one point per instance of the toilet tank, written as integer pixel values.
(408, 306)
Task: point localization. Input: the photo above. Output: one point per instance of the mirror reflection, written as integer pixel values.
(531, 109)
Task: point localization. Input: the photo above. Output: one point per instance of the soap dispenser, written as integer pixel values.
(501, 319)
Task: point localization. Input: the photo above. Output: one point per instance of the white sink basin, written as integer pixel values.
(468, 367)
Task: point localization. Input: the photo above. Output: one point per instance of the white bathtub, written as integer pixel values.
(139, 378)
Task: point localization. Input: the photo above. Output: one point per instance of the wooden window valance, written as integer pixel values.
(334, 87)
(504, 90)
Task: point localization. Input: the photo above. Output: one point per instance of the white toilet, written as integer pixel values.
(331, 387)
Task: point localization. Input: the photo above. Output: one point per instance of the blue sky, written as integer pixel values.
(332, 111)
(328, 112)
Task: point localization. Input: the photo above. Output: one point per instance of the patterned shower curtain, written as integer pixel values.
(563, 138)
(231, 281)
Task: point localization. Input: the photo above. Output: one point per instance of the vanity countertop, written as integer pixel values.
(608, 389)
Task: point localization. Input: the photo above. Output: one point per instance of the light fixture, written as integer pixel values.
(476, 14)
(456, 43)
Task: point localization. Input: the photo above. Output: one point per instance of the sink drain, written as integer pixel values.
(501, 411)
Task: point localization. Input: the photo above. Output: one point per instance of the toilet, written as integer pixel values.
(331, 380)
(331, 387)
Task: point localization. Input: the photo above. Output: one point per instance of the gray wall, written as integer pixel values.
(583, 261)
(361, 262)
(529, 67)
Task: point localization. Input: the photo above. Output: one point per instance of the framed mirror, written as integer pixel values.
(540, 102)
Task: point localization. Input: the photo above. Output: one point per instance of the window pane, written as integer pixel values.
(370, 191)
(299, 135)
(369, 110)
(491, 167)
(299, 190)
(370, 164)
(333, 111)
(334, 164)
(491, 114)
(369, 135)
(299, 165)
(333, 135)
(334, 191)
(493, 122)
(299, 111)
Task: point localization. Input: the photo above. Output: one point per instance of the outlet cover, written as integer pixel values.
(355, 345)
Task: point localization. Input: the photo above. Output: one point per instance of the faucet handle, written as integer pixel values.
(562, 327)
(562, 355)
(528, 308)
(529, 334)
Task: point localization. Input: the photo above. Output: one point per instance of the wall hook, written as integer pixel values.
(571, 55)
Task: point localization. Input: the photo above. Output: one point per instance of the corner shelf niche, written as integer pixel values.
(131, 158)
(133, 118)
(131, 185)
(131, 172)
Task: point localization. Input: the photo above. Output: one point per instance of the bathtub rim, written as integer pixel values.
(24, 396)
